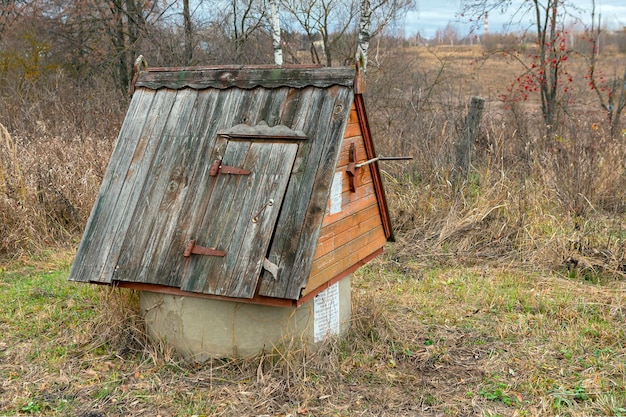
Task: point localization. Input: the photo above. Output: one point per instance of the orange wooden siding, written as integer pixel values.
(356, 231)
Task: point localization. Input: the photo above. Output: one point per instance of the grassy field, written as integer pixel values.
(426, 340)
(504, 295)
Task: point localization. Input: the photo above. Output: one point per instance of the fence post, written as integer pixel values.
(465, 147)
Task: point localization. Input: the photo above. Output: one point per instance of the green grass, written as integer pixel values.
(425, 340)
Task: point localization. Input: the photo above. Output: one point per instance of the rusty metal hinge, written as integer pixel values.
(192, 248)
(217, 168)
(352, 167)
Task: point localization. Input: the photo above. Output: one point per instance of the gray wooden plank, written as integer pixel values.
(292, 104)
(252, 198)
(246, 78)
(198, 187)
(241, 109)
(309, 233)
(220, 220)
(261, 106)
(219, 271)
(172, 185)
(243, 280)
(291, 216)
(87, 264)
(270, 110)
(315, 113)
(262, 131)
(130, 197)
(261, 97)
(300, 223)
(201, 183)
(143, 189)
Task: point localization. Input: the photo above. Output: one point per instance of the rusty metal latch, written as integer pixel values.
(192, 248)
(353, 166)
(217, 168)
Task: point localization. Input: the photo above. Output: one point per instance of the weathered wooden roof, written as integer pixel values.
(167, 187)
(245, 77)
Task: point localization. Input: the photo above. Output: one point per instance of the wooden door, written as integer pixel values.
(240, 218)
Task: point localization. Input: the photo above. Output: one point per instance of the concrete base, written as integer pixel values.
(201, 328)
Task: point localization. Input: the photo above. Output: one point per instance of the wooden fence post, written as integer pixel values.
(465, 148)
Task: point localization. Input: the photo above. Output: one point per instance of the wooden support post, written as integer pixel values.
(465, 148)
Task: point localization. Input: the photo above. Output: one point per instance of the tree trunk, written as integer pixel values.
(188, 33)
(364, 35)
(327, 51)
(278, 50)
(119, 45)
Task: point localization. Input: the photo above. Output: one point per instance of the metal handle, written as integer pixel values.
(384, 158)
(270, 203)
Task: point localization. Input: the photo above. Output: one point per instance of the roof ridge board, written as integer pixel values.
(235, 67)
(247, 77)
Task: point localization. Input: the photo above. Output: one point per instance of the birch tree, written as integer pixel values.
(363, 42)
(276, 42)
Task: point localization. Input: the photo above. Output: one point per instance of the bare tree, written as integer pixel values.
(325, 22)
(447, 35)
(188, 33)
(611, 94)
(108, 33)
(546, 73)
(549, 28)
(10, 10)
(247, 17)
(328, 22)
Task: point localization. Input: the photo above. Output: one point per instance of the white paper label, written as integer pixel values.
(326, 313)
(335, 193)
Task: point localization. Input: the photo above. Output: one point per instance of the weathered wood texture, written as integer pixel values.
(298, 229)
(245, 78)
(359, 104)
(102, 230)
(465, 147)
(157, 194)
(356, 231)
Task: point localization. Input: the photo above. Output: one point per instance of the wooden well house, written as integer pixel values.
(251, 184)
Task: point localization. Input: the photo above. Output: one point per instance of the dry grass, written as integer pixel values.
(551, 202)
(505, 223)
(54, 149)
(425, 340)
(47, 189)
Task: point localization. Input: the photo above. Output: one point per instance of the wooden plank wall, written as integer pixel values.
(324, 120)
(356, 231)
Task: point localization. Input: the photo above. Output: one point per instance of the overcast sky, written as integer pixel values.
(432, 15)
